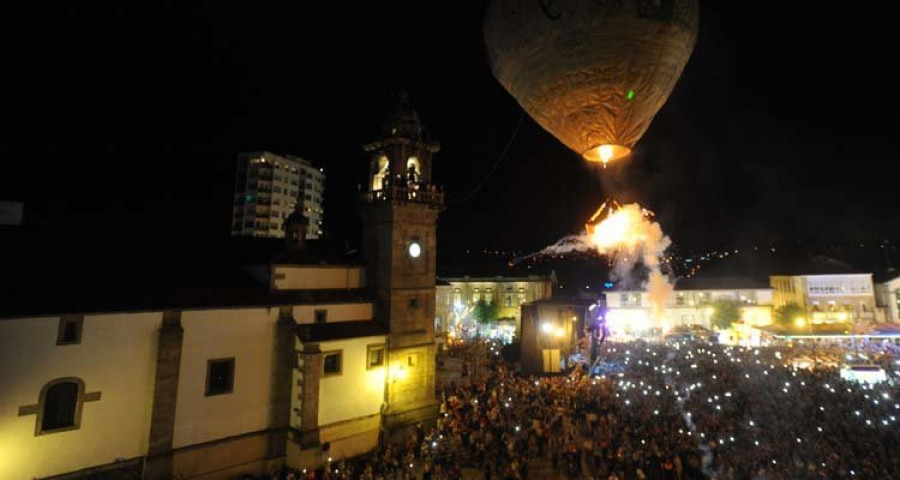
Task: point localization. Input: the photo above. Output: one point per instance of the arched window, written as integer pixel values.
(413, 170)
(61, 405)
(382, 174)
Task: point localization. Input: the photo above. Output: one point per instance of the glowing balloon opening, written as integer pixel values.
(606, 153)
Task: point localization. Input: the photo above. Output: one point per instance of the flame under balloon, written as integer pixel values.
(606, 153)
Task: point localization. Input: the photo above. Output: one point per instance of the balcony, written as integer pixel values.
(403, 194)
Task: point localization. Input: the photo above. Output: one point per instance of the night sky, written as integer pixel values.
(126, 122)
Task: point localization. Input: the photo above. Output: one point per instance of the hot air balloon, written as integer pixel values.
(593, 73)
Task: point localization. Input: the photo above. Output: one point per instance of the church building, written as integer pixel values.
(320, 358)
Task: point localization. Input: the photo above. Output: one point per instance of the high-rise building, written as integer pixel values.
(268, 187)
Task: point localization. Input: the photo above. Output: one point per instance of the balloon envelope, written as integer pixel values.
(591, 72)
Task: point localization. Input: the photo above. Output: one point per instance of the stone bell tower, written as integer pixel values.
(400, 212)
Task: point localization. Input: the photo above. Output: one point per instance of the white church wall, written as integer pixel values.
(357, 391)
(347, 312)
(316, 277)
(116, 357)
(247, 335)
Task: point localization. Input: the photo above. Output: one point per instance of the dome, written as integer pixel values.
(296, 218)
(402, 120)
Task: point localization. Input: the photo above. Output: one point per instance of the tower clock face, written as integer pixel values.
(414, 250)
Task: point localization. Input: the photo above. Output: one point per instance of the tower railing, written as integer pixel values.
(418, 193)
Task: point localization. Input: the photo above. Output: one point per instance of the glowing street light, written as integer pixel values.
(799, 321)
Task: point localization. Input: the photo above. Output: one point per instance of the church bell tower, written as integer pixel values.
(400, 212)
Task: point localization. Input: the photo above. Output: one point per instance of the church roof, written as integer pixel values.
(41, 277)
(720, 283)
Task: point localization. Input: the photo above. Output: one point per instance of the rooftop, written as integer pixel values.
(43, 278)
(720, 283)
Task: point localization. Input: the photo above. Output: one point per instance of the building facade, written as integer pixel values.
(211, 392)
(887, 296)
(628, 312)
(831, 298)
(317, 362)
(551, 330)
(269, 187)
(457, 296)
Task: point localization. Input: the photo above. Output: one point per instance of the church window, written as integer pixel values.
(332, 363)
(413, 170)
(382, 173)
(375, 356)
(60, 406)
(219, 376)
(69, 332)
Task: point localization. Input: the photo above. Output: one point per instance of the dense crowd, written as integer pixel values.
(682, 411)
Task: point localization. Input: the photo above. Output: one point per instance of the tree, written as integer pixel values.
(725, 312)
(485, 313)
(786, 314)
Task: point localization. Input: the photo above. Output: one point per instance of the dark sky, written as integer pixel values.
(127, 121)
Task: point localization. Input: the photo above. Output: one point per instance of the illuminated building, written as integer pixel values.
(550, 330)
(288, 360)
(268, 187)
(690, 305)
(459, 291)
(829, 298)
(887, 295)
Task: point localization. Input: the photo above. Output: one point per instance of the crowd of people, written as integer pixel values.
(676, 411)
